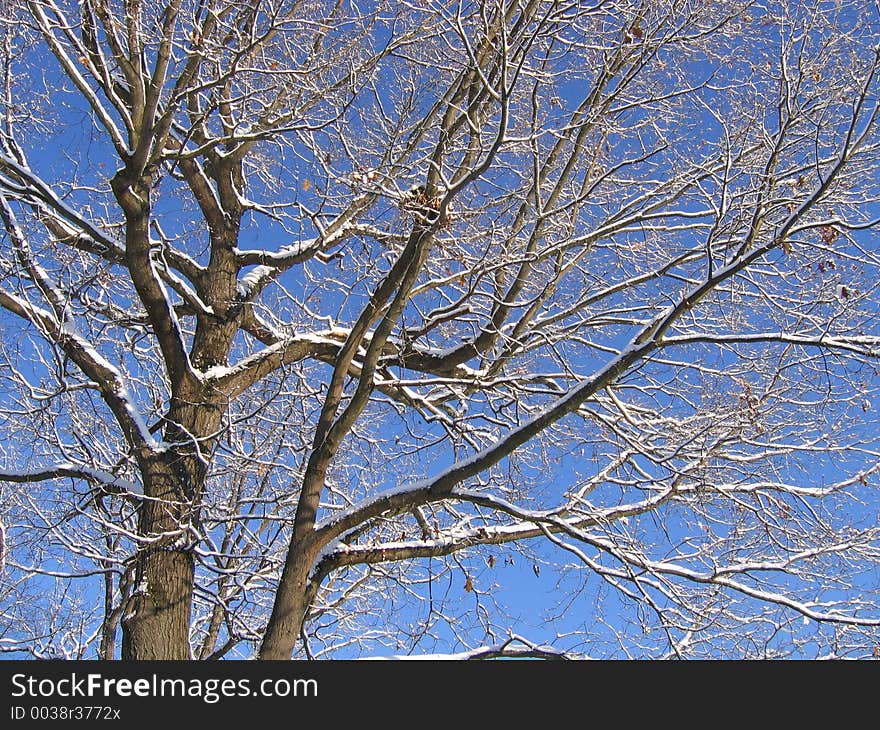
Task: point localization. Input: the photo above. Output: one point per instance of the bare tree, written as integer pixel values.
(323, 319)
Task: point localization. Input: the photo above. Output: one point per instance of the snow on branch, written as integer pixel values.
(443, 484)
(515, 647)
(861, 345)
(108, 379)
(31, 189)
(106, 480)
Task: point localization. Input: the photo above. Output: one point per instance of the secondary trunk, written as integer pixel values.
(291, 604)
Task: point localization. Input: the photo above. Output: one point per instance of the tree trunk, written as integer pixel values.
(155, 623)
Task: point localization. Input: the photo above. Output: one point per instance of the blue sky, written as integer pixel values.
(824, 434)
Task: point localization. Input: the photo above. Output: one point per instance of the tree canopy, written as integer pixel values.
(513, 327)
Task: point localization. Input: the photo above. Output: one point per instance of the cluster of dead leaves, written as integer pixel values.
(634, 33)
(829, 234)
